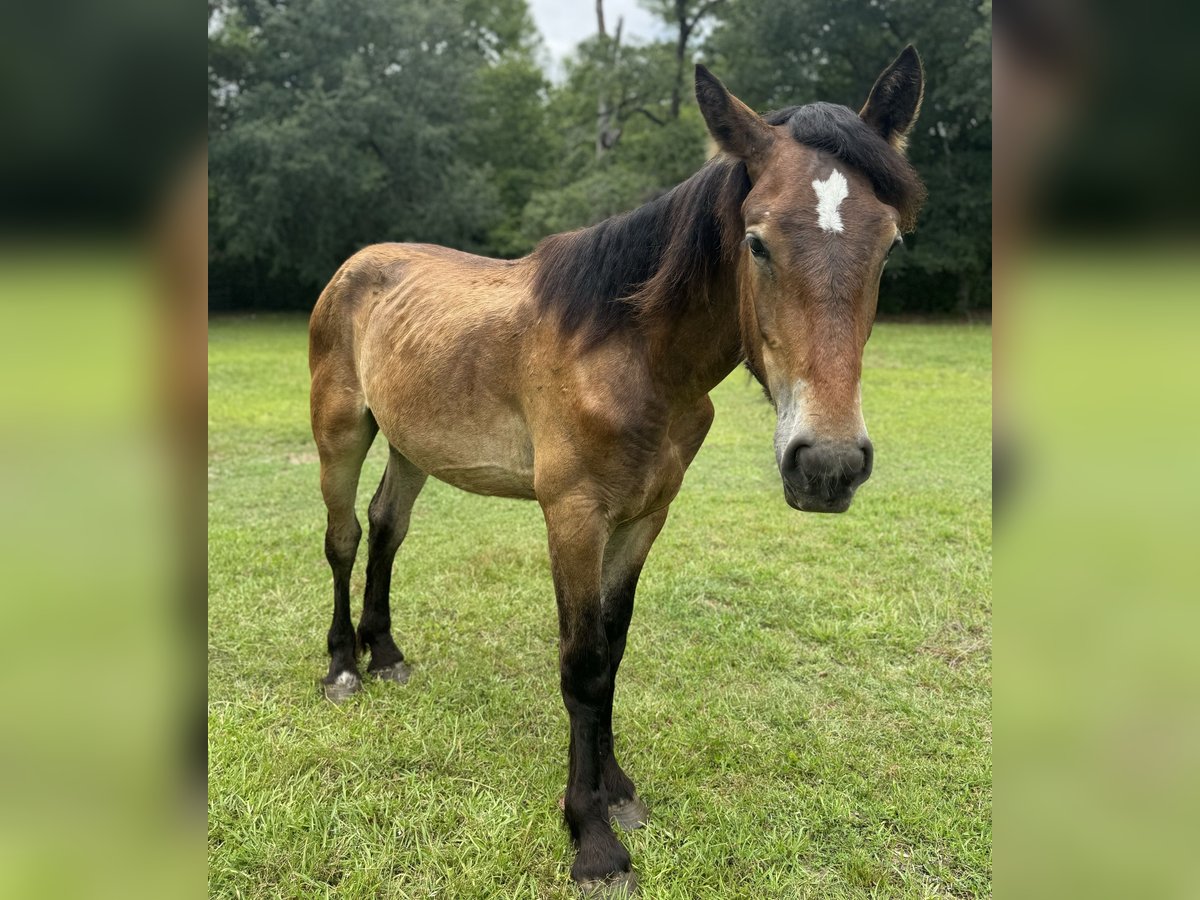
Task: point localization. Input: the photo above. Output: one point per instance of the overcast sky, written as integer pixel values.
(564, 23)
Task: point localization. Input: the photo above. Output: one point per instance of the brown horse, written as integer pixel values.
(579, 377)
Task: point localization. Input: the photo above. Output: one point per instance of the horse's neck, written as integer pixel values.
(700, 347)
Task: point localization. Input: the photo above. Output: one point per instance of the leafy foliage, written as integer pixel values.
(388, 120)
(337, 124)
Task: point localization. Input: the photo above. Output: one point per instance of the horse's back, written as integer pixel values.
(406, 293)
(378, 271)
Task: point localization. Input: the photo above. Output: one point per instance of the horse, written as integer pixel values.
(578, 376)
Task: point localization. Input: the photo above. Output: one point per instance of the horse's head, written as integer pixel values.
(830, 194)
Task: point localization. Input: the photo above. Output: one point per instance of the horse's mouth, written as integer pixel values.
(815, 503)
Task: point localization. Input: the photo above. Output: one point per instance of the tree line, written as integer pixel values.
(338, 123)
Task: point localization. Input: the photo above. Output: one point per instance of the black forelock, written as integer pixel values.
(838, 131)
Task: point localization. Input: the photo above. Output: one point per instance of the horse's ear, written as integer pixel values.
(895, 100)
(737, 129)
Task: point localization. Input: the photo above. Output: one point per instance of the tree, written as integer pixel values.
(623, 99)
(686, 17)
(607, 134)
(337, 123)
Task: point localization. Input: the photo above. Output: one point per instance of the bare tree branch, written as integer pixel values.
(649, 115)
(703, 10)
(687, 26)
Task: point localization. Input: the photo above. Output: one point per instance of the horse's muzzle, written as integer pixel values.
(822, 476)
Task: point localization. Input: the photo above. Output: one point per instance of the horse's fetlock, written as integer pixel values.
(600, 854)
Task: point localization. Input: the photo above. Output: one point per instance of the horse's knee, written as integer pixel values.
(342, 536)
(585, 676)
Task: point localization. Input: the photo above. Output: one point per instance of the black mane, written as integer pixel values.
(599, 277)
(662, 255)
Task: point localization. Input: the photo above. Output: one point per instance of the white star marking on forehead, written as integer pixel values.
(830, 194)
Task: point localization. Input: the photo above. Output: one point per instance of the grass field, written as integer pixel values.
(804, 703)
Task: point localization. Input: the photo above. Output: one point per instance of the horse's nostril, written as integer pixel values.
(868, 452)
(855, 460)
(793, 456)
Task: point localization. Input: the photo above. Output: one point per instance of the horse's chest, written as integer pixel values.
(660, 482)
(648, 475)
(686, 433)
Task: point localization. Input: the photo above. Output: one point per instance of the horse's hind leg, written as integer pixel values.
(344, 429)
(389, 515)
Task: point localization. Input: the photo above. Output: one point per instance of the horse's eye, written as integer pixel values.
(898, 242)
(757, 248)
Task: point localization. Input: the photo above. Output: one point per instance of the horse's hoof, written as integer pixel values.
(614, 887)
(629, 814)
(342, 688)
(397, 672)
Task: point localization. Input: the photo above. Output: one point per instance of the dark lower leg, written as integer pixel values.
(624, 557)
(375, 629)
(389, 515)
(586, 682)
(618, 610)
(618, 785)
(341, 544)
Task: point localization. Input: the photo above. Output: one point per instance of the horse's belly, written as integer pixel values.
(495, 479)
(492, 456)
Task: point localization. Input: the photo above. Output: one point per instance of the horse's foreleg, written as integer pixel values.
(578, 535)
(389, 515)
(623, 560)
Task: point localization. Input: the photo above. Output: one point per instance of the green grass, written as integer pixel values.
(804, 704)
